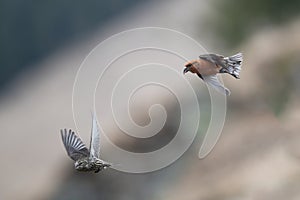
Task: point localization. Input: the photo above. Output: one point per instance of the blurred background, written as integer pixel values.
(257, 157)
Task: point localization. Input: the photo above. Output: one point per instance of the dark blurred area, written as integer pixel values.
(31, 30)
(235, 21)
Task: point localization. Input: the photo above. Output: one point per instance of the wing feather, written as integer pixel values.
(95, 139)
(216, 84)
(214, 58)
(74, 146)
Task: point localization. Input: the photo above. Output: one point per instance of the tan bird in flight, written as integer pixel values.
(209, 65)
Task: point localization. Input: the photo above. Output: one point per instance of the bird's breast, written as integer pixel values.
(206, 68)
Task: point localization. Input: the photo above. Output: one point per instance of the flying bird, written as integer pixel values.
(209, 65)
(85, 159)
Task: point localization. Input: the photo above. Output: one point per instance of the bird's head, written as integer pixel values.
(187, 67)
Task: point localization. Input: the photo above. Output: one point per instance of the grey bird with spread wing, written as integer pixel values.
(208, 65)
(85, 159)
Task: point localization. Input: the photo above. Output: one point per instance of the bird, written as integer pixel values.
(85, 159)
(209, 65)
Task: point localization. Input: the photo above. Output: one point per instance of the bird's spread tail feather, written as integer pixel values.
(234, 64)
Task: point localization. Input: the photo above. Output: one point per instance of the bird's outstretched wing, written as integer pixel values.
(95, 139)
(74, 146)
(216, 84)
(214, 58)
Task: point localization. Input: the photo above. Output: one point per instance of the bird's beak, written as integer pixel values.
(185, 70)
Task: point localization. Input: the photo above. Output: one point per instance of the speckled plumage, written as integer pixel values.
(85, 159)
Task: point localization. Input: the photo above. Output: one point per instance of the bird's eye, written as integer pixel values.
(188, 64)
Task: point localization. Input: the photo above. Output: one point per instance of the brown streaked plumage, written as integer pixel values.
(209, 65)
(85, 159)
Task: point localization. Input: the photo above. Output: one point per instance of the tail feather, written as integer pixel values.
(234, 64)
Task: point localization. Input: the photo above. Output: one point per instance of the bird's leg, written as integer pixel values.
(223, 70)
(235, 76)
